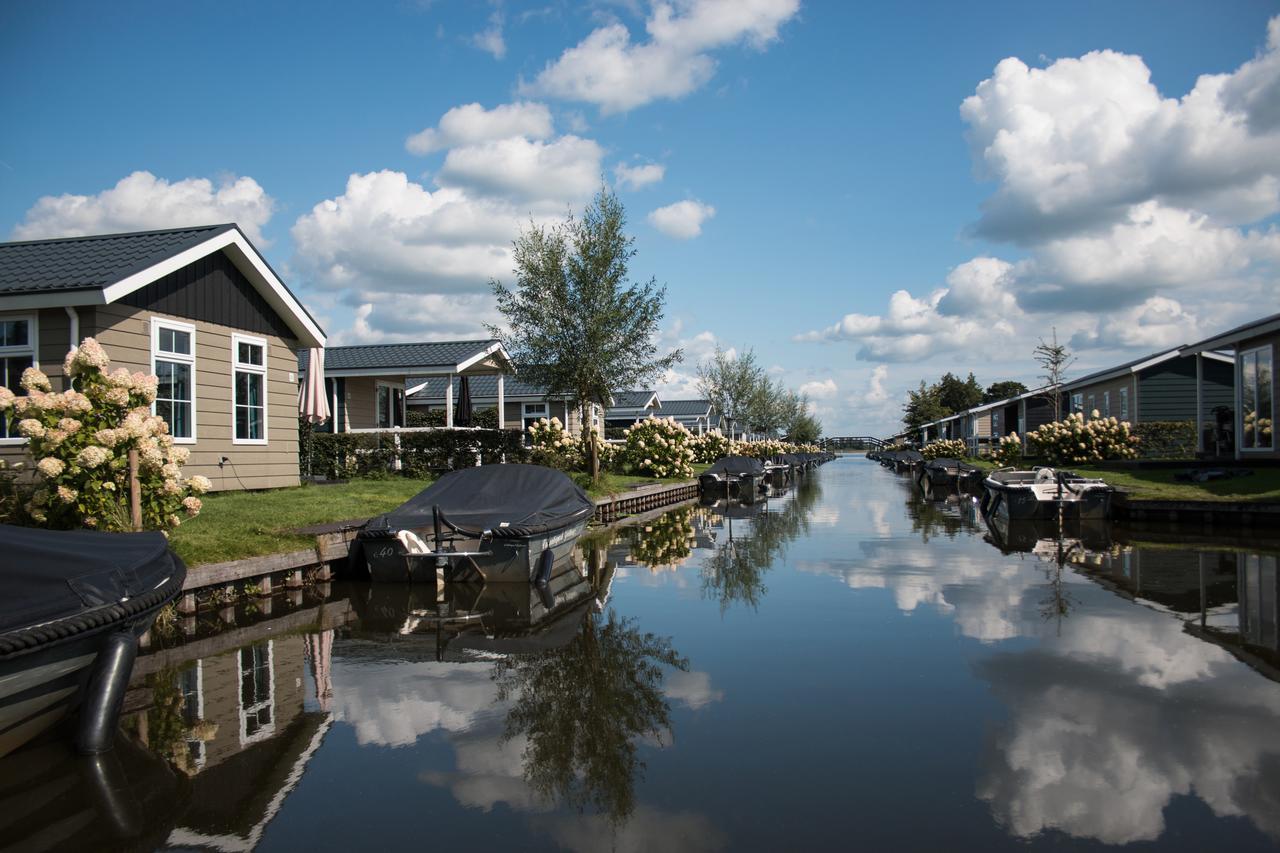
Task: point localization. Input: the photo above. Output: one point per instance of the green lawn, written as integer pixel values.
(235, 525)
(618, 484)
(1158, 484)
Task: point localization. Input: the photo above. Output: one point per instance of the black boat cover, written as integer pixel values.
(53, 574)
(735, 466)
(512, 501)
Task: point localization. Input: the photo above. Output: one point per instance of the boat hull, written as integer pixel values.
(1024, 502)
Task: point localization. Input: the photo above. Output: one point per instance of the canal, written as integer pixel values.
(847, 665)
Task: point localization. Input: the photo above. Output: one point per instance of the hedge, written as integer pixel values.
(1167, 439)
(344, 455)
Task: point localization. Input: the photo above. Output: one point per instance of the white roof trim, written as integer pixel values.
(1095, 378)
(248, 261)
(480, 356)
(1233, 336)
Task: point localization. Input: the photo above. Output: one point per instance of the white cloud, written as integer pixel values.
(876, 392)
(820, 389)
(641, 175)
(609, 70)
(682, 220)
(1158, 323)
(471, 124)
(143, 202)
(566, 169)
(490, 39)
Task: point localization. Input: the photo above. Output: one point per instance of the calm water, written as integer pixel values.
(852, 667)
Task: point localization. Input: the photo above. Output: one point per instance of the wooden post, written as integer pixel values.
(135, 492)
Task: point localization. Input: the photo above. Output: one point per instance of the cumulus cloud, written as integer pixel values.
(876, 392)
(682, 220)
(142, 202)
(1158, 323)
(609, 70)
(640, 175)
(526, 170)
(490, 39)
(820, 389)
(471, 124)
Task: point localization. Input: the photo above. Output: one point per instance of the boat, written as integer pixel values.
(949, 473)
(73, 604)
(496, 523)
(1044, 492)
(738, 476)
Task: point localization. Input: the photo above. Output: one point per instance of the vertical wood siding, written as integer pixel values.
(1168, 390)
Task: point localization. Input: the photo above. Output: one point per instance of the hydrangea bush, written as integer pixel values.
(80, 440)
(1075, 441)
(945, 448)
(659, 447)
(709, 447)
(1008, 451)
(553, 446)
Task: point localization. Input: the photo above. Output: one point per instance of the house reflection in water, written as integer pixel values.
(242, 724)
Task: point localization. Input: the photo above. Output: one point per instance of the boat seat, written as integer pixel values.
(412, 542)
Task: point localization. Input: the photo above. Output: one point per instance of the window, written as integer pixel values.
(249, 375)
(1256, 403)
(257, 693)
(1106, 404)
(1093, 406)
(390, 406)
(1124, 404)
(1077, 402)
(17, 353)
(173, 360)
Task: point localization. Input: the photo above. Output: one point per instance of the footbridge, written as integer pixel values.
(853, 442)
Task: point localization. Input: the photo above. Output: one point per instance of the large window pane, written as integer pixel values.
(250, 408)
(1256, 402)
(15, 333)
(173, 396)
(11, 377)
(1266, 415)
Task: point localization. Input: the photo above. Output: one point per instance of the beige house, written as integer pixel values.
(523, 403)
(198, 307)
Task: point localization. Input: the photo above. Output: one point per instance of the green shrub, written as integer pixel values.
(345, 455)
(1008, 451)
(945, 448)
(659, 447)
(1075, 441)
(1167, 439)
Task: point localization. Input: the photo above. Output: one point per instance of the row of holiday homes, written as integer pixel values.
(1224, 386)
(202, 309)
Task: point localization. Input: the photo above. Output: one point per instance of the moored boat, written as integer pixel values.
(948, 474)
(496, 523)
(73, 604)
(1043, 493)
(738, 476)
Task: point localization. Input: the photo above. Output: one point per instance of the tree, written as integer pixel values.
(1003, 391)
(802, 426)
(923, 406)
(731, 383)
(1054, 359)
(957, 395)
(575, 325)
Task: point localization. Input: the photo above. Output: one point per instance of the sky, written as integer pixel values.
(866, 195)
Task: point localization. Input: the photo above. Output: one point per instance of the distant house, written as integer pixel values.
(523, 403)
(1254, 349)
(198, 307)
(1156, 387)
(366, 385)
(982, 427)
(698, 416)
(631, 406)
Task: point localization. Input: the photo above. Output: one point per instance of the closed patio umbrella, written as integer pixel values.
(313, 403)
(462, 417)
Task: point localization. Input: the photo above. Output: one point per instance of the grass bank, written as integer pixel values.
(1158, 484)
(236, 525)
(612, 484)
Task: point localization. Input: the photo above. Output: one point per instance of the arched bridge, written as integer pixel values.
(853, 442)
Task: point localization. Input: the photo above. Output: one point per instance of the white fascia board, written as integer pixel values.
(54, 299)
(1217, 356)
(248, 261)
(494, 347)
(1229, 340)
(365, 371)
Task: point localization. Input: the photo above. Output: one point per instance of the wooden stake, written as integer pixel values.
(135, 492)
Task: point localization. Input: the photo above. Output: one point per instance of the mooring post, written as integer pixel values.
(187, 604)
(294, 580)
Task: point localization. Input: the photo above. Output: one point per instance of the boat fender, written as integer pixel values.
(544, 567)
(105, 693)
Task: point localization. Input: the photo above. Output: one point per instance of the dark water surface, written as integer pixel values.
(853, 667)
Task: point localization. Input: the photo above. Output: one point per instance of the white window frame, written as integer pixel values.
(534, 410)
(158, 323)
(32, 348)
(237, 366)
(404, 403)
(1077, 403)
(269, 729)
(1271, 448)
(1124, 404)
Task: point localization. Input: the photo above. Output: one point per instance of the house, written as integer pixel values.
(697, 416)
(1022, 413)
(367, 384)
(200, 308)
(1252, 417)
(1156, 387)
(630, 407)
(523, 403)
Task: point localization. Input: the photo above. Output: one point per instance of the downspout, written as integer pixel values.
(74, 319)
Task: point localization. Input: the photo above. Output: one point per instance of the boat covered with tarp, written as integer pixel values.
(1045, 493)
(947, 473)
(504, 522)
(73, 604)
(741, 476)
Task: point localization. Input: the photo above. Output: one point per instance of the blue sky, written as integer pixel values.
(796, 164)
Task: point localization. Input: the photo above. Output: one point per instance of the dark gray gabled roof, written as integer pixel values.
(407, 357)
(632, 400)
(1099, 375)
(86, 263)
(482, 388)
(685, 408)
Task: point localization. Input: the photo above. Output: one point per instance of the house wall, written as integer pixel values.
(1035, 412)
(1272, 340)
(125, 333)
(1098, 389)
(1167, 392)
(53, 339)
(361, 401)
